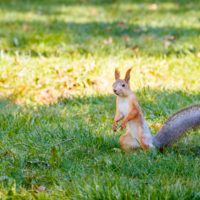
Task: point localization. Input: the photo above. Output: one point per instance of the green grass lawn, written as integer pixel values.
(57, 61)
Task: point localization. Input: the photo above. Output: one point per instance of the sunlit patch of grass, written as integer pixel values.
(60, 47)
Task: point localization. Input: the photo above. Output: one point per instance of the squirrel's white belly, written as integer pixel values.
(124, 109)
(123, 106)
(133, 130)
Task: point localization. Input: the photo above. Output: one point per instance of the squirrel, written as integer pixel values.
(138, 133)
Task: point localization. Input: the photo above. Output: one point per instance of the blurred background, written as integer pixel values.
(51, 50)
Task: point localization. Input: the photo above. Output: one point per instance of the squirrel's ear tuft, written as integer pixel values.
(127, 76)
(117, 74)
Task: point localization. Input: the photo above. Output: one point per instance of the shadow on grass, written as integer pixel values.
(15, 5)
(76, 37)
(59, 33)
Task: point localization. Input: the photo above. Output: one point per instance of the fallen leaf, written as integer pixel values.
(12, 26)
(94, 11)
(137, 50)
(46, 96)
(22, 88)
(43, 58)
(41, 81)
(12, 76)
(153, 7)
(18, 61)
(41, 188)
(145, 71)
(126, 37)
(198, 54)
(101, 80)
(18, 101)
(133, 47)
(108, 28)
(22, 73)
(108, 40)
(75, 53)
(170, 37)
(2, 80)
(163, 62)
(120, 24)
(181, 62)
(56, 59)
(25, 27)
(156, 125)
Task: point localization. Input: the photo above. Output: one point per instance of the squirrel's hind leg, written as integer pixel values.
(128, 143)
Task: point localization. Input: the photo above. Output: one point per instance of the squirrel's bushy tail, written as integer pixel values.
(177, 125)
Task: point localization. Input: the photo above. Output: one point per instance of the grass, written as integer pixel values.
(57, 61)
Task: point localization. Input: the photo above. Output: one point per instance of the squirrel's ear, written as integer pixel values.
(117, 74)
(127, 76)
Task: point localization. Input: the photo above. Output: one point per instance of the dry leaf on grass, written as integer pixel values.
(153, 7)
(75, 53)
(163, 62)
(41, 81)
(134, 48)
(25, 27)
(18, 61)
(43, 58)
(41, 189)
(46, 97)
(22, 88)
(12, 26)
(101, 80)
(126, 37)
(120, 24)
(170, 37)
(108, 28)
(108, 40)
(156, 125)
(145, 71)
(94, 12)
(148, 72)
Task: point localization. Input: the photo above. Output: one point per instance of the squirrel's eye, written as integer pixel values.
(123, 84)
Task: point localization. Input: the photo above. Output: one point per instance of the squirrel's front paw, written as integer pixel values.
(114, 126)
(122, 126)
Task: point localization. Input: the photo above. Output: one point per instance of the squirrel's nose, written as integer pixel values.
(115, 90)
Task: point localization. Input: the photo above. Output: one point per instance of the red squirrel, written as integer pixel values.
(138, 133)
